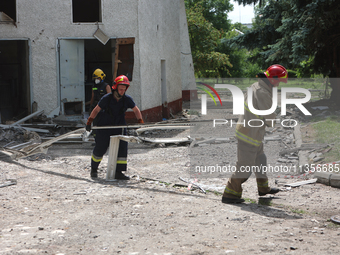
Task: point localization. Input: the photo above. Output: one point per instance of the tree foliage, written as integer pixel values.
(296, 33)
(214, 11)
(204, 39)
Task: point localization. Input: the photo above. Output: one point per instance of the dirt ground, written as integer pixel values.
(56, 208)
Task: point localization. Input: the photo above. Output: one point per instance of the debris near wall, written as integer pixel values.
(21, 141)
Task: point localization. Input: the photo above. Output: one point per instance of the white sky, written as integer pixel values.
(243, 14)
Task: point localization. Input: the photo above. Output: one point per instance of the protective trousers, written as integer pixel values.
(250, 158)
(102, 143)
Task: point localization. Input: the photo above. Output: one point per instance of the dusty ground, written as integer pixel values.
(56, 208)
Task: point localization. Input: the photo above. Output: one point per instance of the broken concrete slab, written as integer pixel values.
(335, 180)
(329, 179)
(317, 159)
(296, 184)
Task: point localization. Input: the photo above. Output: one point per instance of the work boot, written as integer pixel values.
(227, 200)
(271, 191)
(94, 173)
(121, 176)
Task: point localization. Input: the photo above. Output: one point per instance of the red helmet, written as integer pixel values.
(276, 73)
(121, 80)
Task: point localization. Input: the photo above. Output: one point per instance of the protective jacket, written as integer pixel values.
(113, 111)
(253, 134)
(99, 90)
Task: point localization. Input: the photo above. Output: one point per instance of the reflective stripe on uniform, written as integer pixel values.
(121, 160)
(94, 88)
(247, 139)
(233, 192)
(247, 109)
(96, 159)
(262, 185)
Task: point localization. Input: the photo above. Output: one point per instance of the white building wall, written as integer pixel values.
(44, 21)
(155, 25)
(159, 39)
(188, 72)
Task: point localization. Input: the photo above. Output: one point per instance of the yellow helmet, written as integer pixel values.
(98, 73)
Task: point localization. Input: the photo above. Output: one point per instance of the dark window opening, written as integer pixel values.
(86, 11)
(8, 7)
(73, 108)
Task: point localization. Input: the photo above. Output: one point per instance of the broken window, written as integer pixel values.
(86, 11)
(8, 12)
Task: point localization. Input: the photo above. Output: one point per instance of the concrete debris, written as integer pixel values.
(16, 125)
(198, 142)
(37, 148)
(336, 219)
(304, 147)
(272, 138)
(328, 178)
(321, 108)
(194, 184)
(297, 184)
(317, 159)
(8, 182)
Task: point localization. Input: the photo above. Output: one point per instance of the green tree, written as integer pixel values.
(215, 11)
(298, 32)
(204, 39)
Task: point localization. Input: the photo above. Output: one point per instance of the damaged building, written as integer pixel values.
(49, 50)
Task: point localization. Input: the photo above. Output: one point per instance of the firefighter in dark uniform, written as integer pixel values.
(111, 112)
(99, 89)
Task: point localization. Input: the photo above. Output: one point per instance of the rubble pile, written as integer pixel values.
(14, 136)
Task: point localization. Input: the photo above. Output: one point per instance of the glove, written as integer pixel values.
(88, 124)
(141, 121)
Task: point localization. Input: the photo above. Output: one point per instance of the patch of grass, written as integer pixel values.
(299, 211)
(216, 193)
(243, 83)
(249, 200)
(328, 132)
(266, 202)
(332, 225)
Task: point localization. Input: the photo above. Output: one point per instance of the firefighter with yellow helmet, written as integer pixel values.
(99, 88)
(249, 138)
(111, 112)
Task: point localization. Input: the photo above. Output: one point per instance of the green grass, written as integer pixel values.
(243, 83)
(266, 202)
(328, 132)
(299, 211)
(249, 200)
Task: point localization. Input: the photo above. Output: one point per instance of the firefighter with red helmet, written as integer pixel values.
(250, 147)
(111, 112)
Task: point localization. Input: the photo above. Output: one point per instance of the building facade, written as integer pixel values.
(49, 50)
